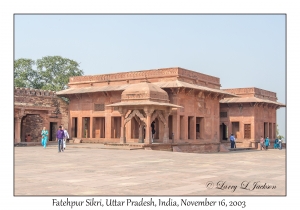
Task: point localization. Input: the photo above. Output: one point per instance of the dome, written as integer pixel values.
(144, 91)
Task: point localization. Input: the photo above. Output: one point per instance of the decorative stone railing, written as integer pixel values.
(33, 92)
(256, 92)
(156, 73)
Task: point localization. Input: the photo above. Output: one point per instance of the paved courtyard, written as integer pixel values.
(89, 169)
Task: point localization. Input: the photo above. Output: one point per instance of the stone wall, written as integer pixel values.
(35, 109)
(64, 110)
(32, 125)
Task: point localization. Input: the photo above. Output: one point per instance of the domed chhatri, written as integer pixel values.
(144, 91)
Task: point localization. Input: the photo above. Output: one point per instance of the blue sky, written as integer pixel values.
(242, 50)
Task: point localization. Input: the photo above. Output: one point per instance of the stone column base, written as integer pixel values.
(123, 140)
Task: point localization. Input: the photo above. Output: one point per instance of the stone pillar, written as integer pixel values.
(177, 126)
(148, 112)
(186, 127)
(122, 111)
(108, 126)
(166, 134)
(141, 139)
(128, 129)
(194, 128)
(148, 130)
(166, 130)
(91, 127)
(18, 121)
(122, 138)
(79, 128)
(174, 126)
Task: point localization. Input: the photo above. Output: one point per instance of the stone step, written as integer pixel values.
(241, 149)
(122, 148)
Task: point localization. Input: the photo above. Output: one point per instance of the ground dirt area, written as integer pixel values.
(90, 170)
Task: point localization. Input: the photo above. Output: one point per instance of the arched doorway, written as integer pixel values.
(31, 124)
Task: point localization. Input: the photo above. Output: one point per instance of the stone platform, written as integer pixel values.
(91, 170)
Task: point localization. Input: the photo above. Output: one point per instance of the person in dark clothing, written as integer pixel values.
(60, 137)
(152, 131)
(232, 141)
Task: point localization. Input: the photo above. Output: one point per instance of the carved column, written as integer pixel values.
(18, 121)
(122, 112)
(92, 135)
(108, 126)
(166, 131)
(141, 126)
(79, 128)
(122, 138)
(148, 112)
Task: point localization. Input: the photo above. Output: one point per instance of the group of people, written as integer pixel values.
(61, 136)
(265, 143)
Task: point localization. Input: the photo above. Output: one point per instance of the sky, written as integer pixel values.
(242, 50)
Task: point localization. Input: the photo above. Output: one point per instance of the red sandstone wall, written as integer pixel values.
(254, 115)
(64, 109)
(83, 106)
(37, 106)
(32, 124)
(262, 115)
(243, 114)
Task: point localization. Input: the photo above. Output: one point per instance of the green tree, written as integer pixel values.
(56, 70)
(52, 72)
(25, 75)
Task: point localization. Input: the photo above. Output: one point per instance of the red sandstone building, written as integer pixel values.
(185, 106)
(35, 109)
(190, 111)
(249, 116)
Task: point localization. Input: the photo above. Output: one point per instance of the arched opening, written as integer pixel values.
(31, 127)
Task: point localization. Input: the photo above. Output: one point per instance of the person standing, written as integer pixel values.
(152, 130)
(267, 142)
(262, 143)
(280, 143)
(65, 138)
(60, 137)
(44, 137)
(232, 140)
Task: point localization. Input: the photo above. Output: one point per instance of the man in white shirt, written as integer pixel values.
(65, 138)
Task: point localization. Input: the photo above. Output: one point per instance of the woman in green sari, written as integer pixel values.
(44, 137)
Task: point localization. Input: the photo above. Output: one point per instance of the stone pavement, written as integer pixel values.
(90, 170)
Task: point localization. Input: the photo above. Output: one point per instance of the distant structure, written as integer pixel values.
(249, 116)
(35, 109)
(119, 108)
(185, 106)
(172, 109)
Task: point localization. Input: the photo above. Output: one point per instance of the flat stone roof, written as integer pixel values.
(142, 74)
(250, 100)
